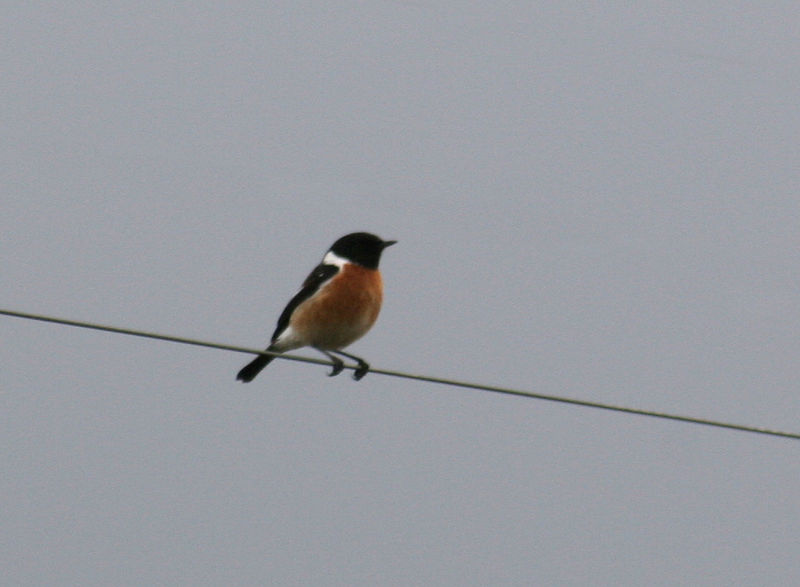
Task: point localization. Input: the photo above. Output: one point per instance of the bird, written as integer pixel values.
(337, 304)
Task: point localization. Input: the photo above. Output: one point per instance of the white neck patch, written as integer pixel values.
(332, 258)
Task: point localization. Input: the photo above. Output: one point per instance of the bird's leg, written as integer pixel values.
(363, 366)
(338, 364)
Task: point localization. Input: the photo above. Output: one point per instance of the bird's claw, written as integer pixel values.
(363, 369)
(337, 368)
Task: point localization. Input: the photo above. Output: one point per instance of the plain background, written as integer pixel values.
(595, 200)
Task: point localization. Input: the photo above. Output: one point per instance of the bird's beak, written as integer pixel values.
(388, 243)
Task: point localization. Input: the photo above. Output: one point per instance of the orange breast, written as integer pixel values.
(342, 311)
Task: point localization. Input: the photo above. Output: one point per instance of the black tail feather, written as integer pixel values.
(253, 368)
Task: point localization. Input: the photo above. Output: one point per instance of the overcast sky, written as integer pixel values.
(599, 201)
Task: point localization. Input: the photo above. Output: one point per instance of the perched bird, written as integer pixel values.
(337, 304)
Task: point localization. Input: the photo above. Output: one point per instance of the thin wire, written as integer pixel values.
(403, 375)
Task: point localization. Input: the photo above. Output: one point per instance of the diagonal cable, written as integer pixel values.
(404, 375)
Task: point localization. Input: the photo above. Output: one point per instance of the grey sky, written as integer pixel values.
(591, 200)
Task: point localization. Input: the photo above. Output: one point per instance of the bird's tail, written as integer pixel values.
(253, 368)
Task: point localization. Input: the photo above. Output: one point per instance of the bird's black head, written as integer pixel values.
(362, 248)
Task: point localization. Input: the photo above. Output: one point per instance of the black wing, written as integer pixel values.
(315, 279)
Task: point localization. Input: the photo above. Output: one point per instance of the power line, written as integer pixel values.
(403, 375)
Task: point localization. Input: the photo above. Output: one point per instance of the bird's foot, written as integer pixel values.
(338, 366)
(361, 370)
